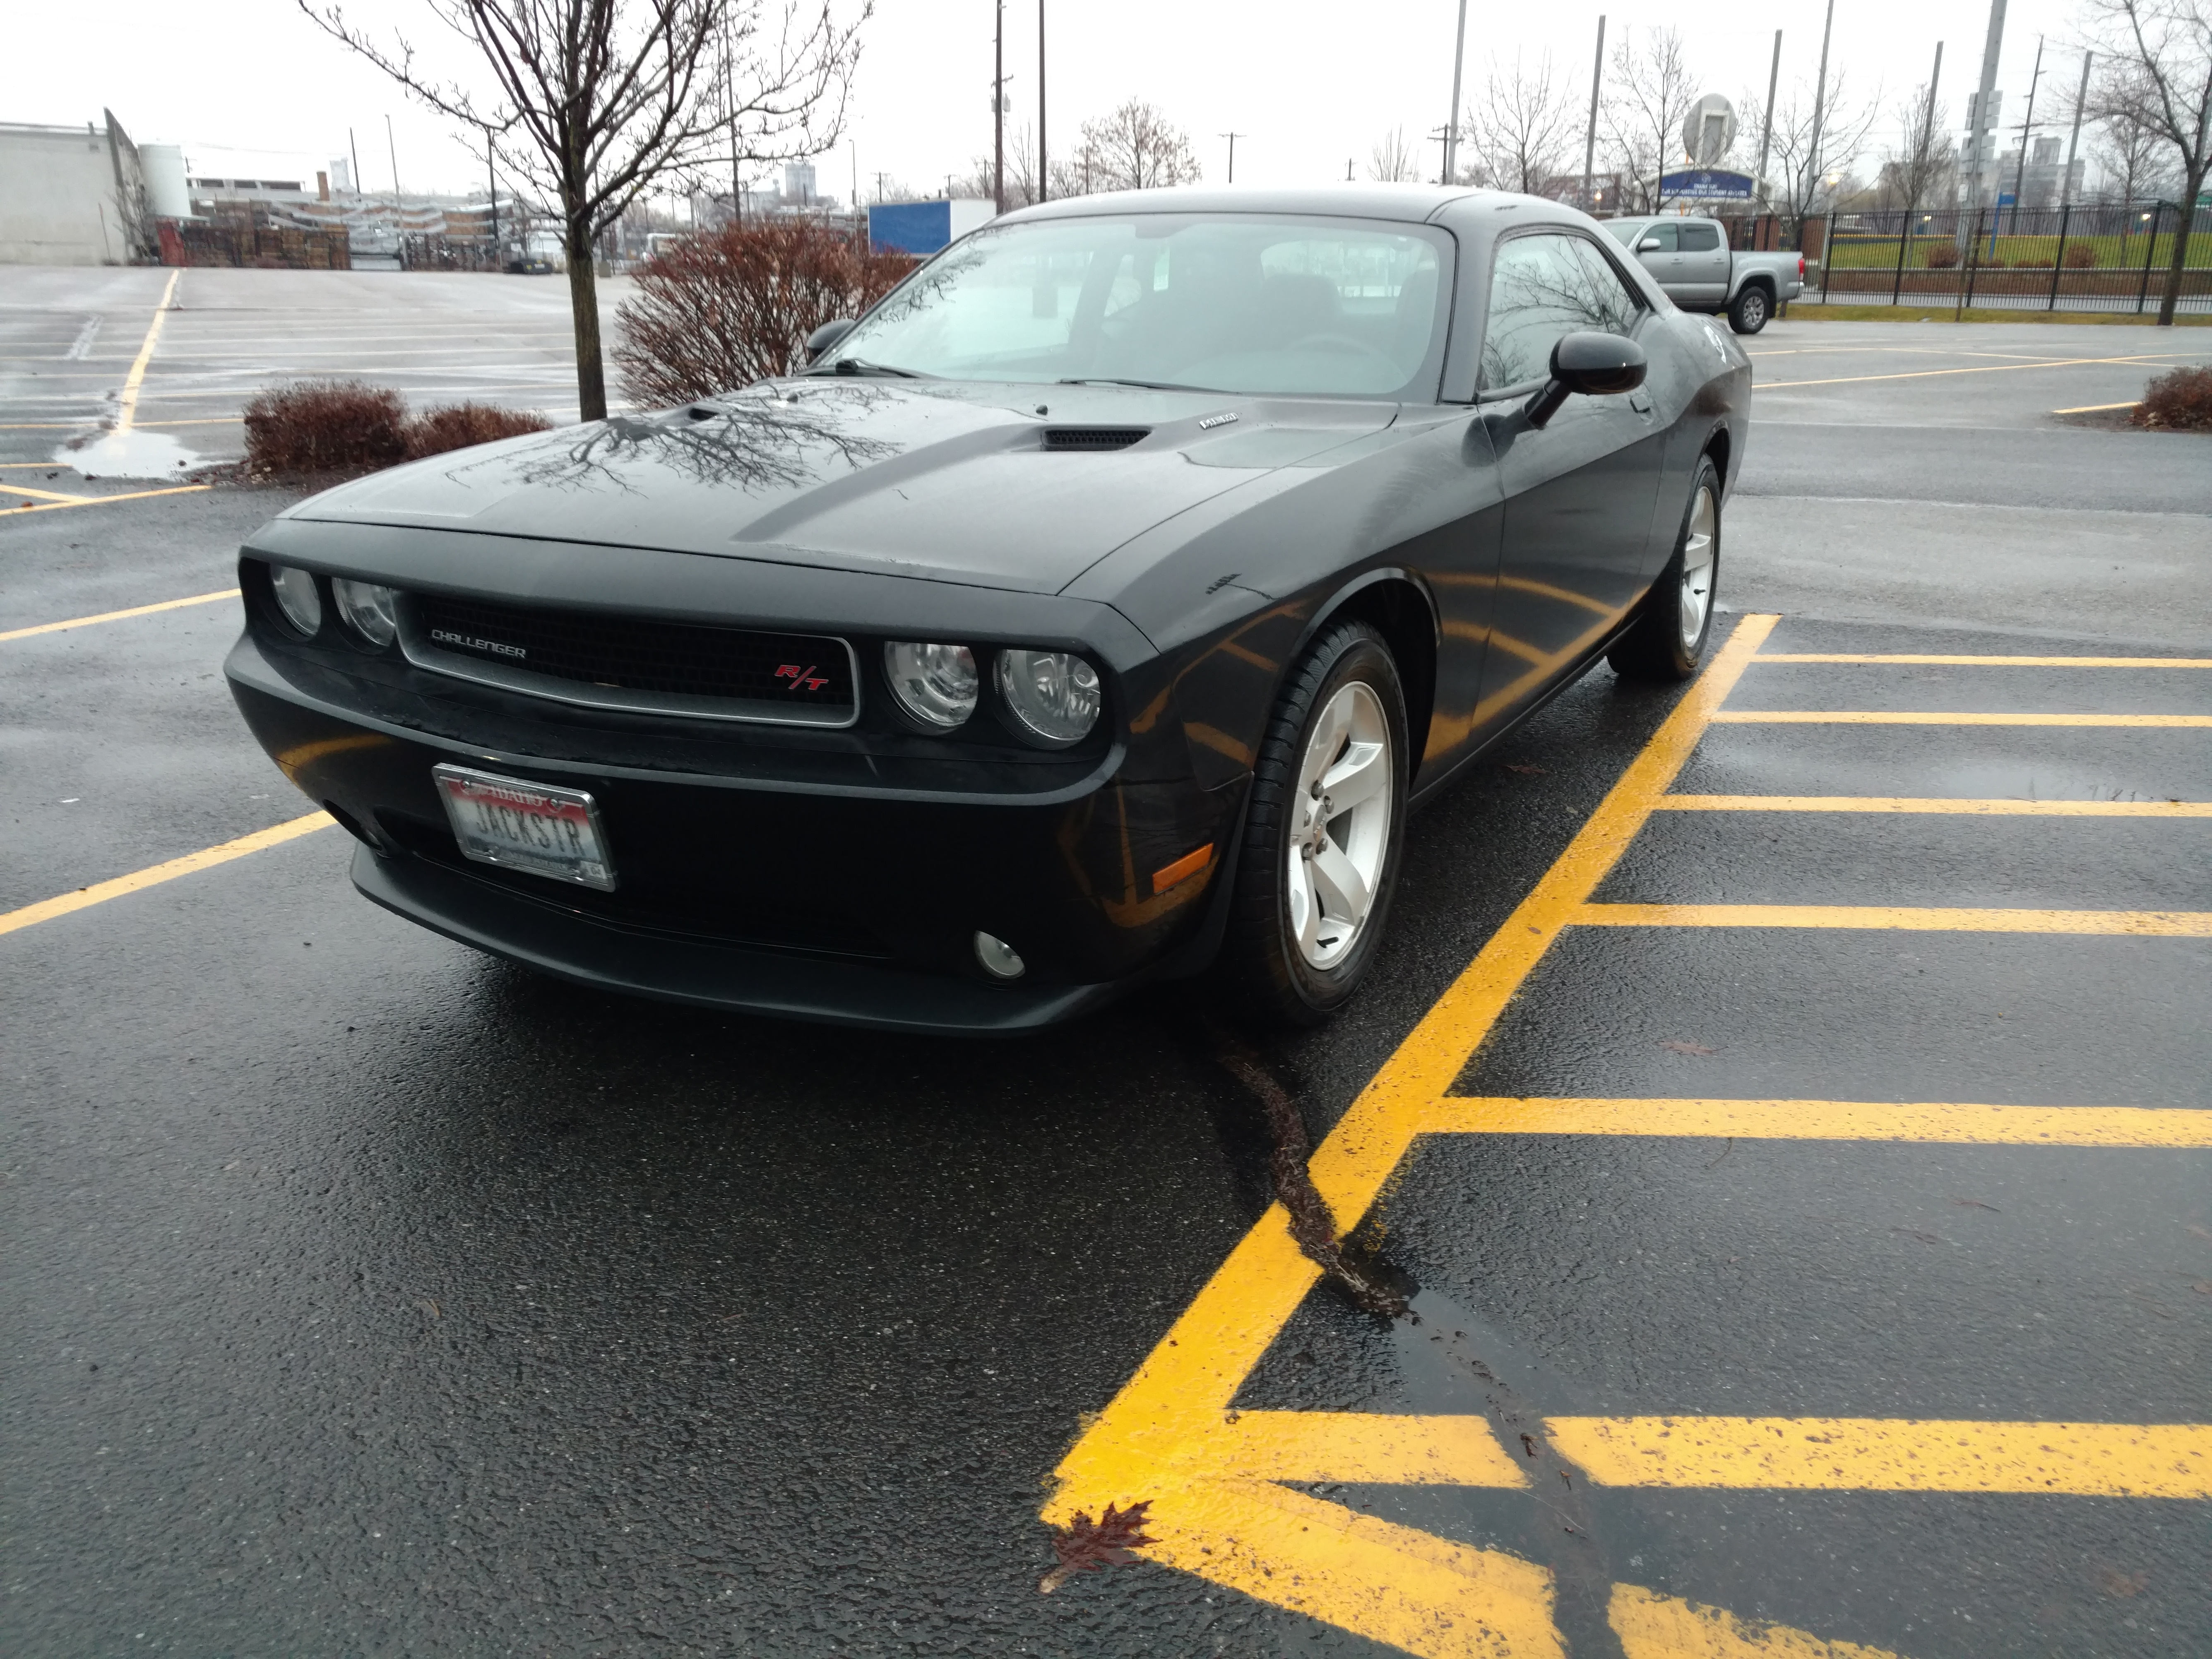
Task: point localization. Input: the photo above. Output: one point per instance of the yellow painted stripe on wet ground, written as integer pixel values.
(1905, 717)
(117, 615)
(1940, 1121)
(100, 892)
(126, 406)
(102, 501)
(1363, 1446)
(2168, 924)
(1655, 1626)
(1866, 1453)
(1903, 803)
(1907, 658)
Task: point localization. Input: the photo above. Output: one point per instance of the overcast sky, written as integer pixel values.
(249, 87)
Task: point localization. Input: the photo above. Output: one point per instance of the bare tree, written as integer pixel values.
(1650, 91)
(1137, 148)
(1922, 166)
(595, 99)
(1523, 128)
(1843, 127)
(2132, 161)
(2156, 76)
(1391, 162)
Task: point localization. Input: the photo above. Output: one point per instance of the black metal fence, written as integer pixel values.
(2061, 258)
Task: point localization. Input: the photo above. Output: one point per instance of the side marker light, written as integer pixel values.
(1182, 869)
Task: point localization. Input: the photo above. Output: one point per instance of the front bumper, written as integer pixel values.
(759, 892)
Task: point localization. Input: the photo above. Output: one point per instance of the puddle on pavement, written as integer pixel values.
(133, 454)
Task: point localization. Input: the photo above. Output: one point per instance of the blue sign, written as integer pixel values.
(1706, 183)
(909, 227)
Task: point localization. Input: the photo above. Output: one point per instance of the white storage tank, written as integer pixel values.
(166, 193)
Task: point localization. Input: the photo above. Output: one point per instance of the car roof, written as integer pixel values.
(1405, 204)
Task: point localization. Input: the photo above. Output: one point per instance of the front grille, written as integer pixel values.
(613, 661)
(1093, 437)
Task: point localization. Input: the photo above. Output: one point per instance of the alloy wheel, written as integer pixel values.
(1697, 550)
(1340, 824)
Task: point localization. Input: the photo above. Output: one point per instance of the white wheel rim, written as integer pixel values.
(1698, 549)
(1340, 825)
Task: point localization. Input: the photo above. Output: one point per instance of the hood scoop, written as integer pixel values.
(1091, 439)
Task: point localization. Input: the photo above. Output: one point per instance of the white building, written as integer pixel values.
(72, 198)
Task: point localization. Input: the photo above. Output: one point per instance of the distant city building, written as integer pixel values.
(2046, 182)
(72, 197)
(798, 184)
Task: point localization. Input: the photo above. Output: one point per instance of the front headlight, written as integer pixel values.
(298, 597)
(1053, 695)
(370, 610)
(937, 685)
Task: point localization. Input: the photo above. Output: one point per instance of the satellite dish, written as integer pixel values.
(1708, 129)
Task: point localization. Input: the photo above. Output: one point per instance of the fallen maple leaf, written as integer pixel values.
(1086, 1546)
(1676, 1045)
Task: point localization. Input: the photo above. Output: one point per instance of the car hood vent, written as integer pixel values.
(1093, 437)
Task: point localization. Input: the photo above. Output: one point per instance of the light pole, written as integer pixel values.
(1451, 127)
(1232, 137)
(1766, 121)
(1044, 172)
(2066, 185)
(999, 109)
(1589, 141)
(2027, 128)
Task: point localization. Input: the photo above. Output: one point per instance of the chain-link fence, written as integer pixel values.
(2063, 259)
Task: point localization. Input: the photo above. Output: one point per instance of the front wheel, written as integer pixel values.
(1321, 838)
(1668, 640)
(1749, 310)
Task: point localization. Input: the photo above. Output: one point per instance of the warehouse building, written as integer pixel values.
(74, 197)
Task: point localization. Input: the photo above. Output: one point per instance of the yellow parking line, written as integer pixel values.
(2093, 409)
(1858, 1453)
(43, 495)
(1363, 1446)
(2168, 924)
(1945, 1122)
(1997, 808)
(117, 615)
(126, 407)
(1931, 660)
(1900, 717)
(1931, 374)
(1655, 1626)
(102, 501)
(99, 893)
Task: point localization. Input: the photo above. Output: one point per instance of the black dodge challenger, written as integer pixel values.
(1089, 613)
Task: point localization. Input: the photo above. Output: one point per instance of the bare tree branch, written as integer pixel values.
(1524, 127)
(2154, 77)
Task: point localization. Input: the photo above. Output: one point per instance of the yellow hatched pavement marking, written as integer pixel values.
(100, 892)
(116, 616)
(1170, 1435)
(1905, 804)
(1902, 717)
(1951, 1122)
(2167, 924)
(1860, 1454)
(1909, 659)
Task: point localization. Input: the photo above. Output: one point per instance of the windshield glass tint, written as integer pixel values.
(1239, 304)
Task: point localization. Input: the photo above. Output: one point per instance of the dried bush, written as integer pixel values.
(2179, 400)
(1943, 256)
(324, 426)
(457, 426)
(2079, 257)
(719, 311)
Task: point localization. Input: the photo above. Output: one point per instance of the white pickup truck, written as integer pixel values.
(1691, 260)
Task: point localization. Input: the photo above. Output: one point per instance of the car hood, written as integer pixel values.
(929, 479)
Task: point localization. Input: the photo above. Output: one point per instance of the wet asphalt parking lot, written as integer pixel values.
(1796, 1127)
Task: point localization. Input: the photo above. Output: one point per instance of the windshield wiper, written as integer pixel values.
(860, 365)
(1148, 385)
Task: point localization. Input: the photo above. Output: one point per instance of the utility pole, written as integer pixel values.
(729, 114)
(1044, 172)
(1820, 115)
(1232, 137)
(2066, 184)
(492, 177)
(1982, 123)
(393, 145)
(1767, 118)
(2027, 126)
(354, 150)
(999, 110)
(1589, 141)
(1451, 127)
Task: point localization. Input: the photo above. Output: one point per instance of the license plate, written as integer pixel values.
(520, 825)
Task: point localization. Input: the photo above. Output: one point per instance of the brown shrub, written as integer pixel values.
(2032, 262)
(2179, 400)
(324, 426)
(719, 311)
(2079, 257)
(1943, 256)
(457, 426)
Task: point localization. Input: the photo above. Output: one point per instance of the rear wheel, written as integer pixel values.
(1749, 310)
(1320, 855)
(1668, 641)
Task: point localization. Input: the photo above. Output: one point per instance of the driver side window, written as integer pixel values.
(1542, 288)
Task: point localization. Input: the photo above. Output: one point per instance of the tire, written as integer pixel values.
(1668, 637)
(1295, 950)
(1748, 312)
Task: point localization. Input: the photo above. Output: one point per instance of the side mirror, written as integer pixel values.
(1649, 245)
(1596, 365)
(827, 336)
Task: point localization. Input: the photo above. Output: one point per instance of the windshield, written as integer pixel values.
(1622, 231)
(1238, 304)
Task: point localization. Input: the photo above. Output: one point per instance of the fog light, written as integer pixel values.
(935, 683)
(370, 610)
(1000, 959)
(298, 597)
